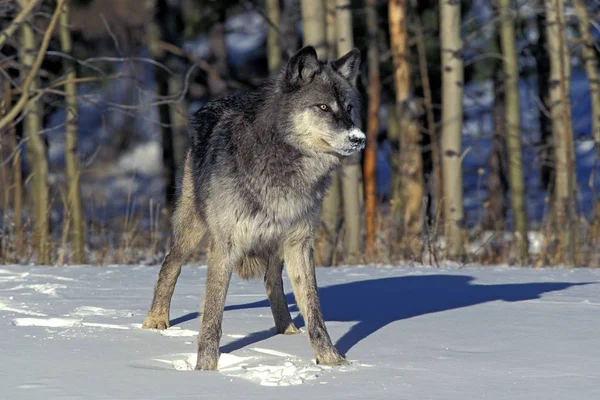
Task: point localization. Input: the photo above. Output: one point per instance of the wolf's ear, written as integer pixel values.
(348, 65)
(303, 66)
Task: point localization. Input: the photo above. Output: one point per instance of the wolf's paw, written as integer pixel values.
(290, 329)
(153, 321)
(331, 359)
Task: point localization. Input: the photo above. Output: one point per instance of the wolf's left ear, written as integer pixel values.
(348, 65)
(303, 66)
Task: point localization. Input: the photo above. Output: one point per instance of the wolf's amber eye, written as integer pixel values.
(324, 107)
(349, 108)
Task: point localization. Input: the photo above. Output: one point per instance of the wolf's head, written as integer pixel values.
(323, 102)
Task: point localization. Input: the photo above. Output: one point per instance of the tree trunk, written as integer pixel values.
(542, 63)
(36, 148)
(71, 155)
(290, 14)
(588, 55)
(409, 187)
(330, 13)
(437, 176)
(315, 34)
(17, 200)
(351, 168)
(313, 22)
(372, 131)
(452, 116)
(153, 38)
(513, 130)
(497, 181)
(273, 39)
(564, 199)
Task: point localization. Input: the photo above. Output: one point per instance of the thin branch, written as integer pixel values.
(16, 23)
(23, 101)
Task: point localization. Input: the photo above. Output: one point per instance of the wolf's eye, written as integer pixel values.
(324, 107)
(349, 108)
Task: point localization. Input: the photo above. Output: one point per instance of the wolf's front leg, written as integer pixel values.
(301, 270)
(220, 266)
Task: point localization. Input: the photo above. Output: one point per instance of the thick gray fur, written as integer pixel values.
(256, 171)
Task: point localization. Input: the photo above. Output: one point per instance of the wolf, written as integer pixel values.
(255, 173)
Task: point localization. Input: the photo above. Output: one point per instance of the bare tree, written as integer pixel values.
(452, 116)
(32, 126)
(560, 72)
(588, 55)
(327, 232)
(351, 169)
(273, 39)
(315, 34)
(154, 38)
(409, 187)
(313, 22)
(437, 176)
(372, 130)
(71, 159)
(513, 129)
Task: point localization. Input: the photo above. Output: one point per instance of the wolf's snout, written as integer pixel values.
(357, 141)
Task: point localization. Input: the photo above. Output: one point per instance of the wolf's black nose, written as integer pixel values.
(357, 140)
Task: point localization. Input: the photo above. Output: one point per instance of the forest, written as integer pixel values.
(482, 122)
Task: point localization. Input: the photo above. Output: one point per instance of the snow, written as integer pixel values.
(420, 332)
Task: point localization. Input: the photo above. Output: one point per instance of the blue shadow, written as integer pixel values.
(375, 303)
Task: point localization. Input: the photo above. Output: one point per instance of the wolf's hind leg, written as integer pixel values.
(279, 306)
(188, 231)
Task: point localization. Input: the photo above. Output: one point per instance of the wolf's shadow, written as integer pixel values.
(375, 303)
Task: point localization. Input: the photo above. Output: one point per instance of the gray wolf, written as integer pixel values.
(256, 170)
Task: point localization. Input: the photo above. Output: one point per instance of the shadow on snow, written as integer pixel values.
(375, 303)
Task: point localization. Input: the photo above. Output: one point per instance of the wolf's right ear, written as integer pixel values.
(302, 67)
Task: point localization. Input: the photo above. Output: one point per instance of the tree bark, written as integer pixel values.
(588, 55)
(273, 39)
(153, 38)
(313, 22)
(370, 167)
(315, 34)
(71, 131)
(513, 130)
(497, 181)
(351, 168)
(564, 199)
(36, 148)
(437, 176)
(452, 116)
(542, 62)
(409, 191)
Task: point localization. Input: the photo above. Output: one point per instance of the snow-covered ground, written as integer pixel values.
(411, 333)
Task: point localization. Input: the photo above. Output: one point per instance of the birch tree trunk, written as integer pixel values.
(409, 188)
(313, 21)
(351, 169)
(560, 72)
(513, 129)
(71, 155)
(329, 223)
(273, 39)
(36, 148)
(591, 66)
(372, 130)
(452, 115)
(315, 34)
